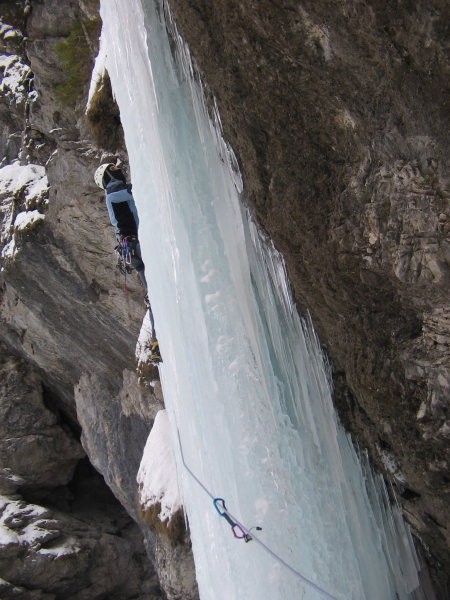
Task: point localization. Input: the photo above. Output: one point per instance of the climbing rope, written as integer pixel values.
(243, 533)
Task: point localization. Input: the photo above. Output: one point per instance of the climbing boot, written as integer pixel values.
(155, 354)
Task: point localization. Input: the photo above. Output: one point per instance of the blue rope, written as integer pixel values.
(219, 505)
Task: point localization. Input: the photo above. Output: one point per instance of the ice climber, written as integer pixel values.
(124, 218)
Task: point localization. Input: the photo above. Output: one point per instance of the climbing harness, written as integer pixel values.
(243, 533)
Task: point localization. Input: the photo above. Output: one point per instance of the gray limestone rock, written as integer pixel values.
(114, 431)
(62, 42)
(16, 78)
(114, 438)
(176, 569)
(60, 556)
(36, 450)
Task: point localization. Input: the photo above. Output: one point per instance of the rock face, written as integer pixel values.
(38, 451)
(68, 331)
(63, 533)
(337, 112)
(50, 555)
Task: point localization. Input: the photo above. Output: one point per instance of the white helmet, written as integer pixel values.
(99, 174)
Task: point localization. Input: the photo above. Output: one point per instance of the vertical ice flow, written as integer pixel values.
(244, 378)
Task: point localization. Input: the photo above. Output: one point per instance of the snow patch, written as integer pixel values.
(8, 32)
(66, 548)
(157, 476)
(10, 250)
(391, 465)
(14, 520)
(29, 184)
(26, 220)
(16, 177)
(14, 82)
(30, 525)
(143, 345)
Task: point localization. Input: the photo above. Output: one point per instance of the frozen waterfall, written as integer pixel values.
(244, 379)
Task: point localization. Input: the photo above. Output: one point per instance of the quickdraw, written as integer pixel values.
(238, 530)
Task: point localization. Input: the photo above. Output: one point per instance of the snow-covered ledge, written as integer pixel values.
(159, 494)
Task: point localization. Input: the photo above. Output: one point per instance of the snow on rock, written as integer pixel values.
(143, 345)
(147, 372)
(157, 476)
(8, 31)
(30, 178)
(37, 188)
(26, 220)
(24, 186)
(29, 525)
(10, 250)
(57, 555)
(14, 83)
(391, 465)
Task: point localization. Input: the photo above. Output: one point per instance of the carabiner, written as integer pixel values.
(240, 533)
(221, 510)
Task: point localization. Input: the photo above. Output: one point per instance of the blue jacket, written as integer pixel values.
(121, 208)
